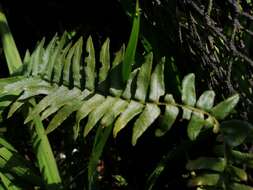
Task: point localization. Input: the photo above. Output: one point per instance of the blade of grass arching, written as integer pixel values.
(101, 138)
(45, 157)
(10, 50)
(132, 44)
(7, 183)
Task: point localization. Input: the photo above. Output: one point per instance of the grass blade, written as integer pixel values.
(12, 56)
(132, 44)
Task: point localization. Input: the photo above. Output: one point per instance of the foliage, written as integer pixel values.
(88, 95)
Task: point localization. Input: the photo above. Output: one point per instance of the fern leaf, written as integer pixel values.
(188, 94)
(98, 113)
(133, 109)
(148, 116)
(76, 63)
(224, 108)
(157, 86)
(104, 60)
(90, 65)
(169, 117)
(143, 78)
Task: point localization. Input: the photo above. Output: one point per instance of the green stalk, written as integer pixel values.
(10, 50)
(45, 157)
(132, 45)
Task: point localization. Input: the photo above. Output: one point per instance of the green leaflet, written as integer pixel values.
(56, 53)
(188, 94)
(115, 75)
(206, 163)
(235, 131)
(37, 57)
(47, 54)
(238, 173)
(132, 44)
(67, 66)
(76, 63)
(206, 100)
(63, 114)
(118, 107)
(59, 63)
(104, 60)
(85, 109)
(10, 50)
(98, 113)
(170, 115)
(237, 186)
(90, 65)
(8, 184)
(225, 107)
(157, 86)
(74, 94)
(195, 125)
(47, 101)
(7, 145)
(147, 117)
(127, 92)
(143, 78)
(40, 89)
(133, 109)
(204, 179)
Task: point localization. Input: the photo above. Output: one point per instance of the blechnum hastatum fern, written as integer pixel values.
(59, 80)
(73, 84)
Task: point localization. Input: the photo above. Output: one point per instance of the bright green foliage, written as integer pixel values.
(65, 90)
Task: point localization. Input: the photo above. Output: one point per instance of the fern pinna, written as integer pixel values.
(71, 83)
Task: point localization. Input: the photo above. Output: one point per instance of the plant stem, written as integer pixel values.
(10, 49)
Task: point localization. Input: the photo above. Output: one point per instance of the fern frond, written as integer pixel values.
(69, 84)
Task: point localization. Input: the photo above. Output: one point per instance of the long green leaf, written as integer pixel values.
(119, 106)
(90, 65)
(45, 156)
(104, 60)
(195, 125)
(157, 86)
(143, 78)
(225, 107)
(85, 109)
(148, 116)
(8, 184)
(133, 109)
(169, 117)
(76, 63)
(132, 44)
(188, 94)
(15, 164)
(63, 114)
(98, 113)
(12, 56)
